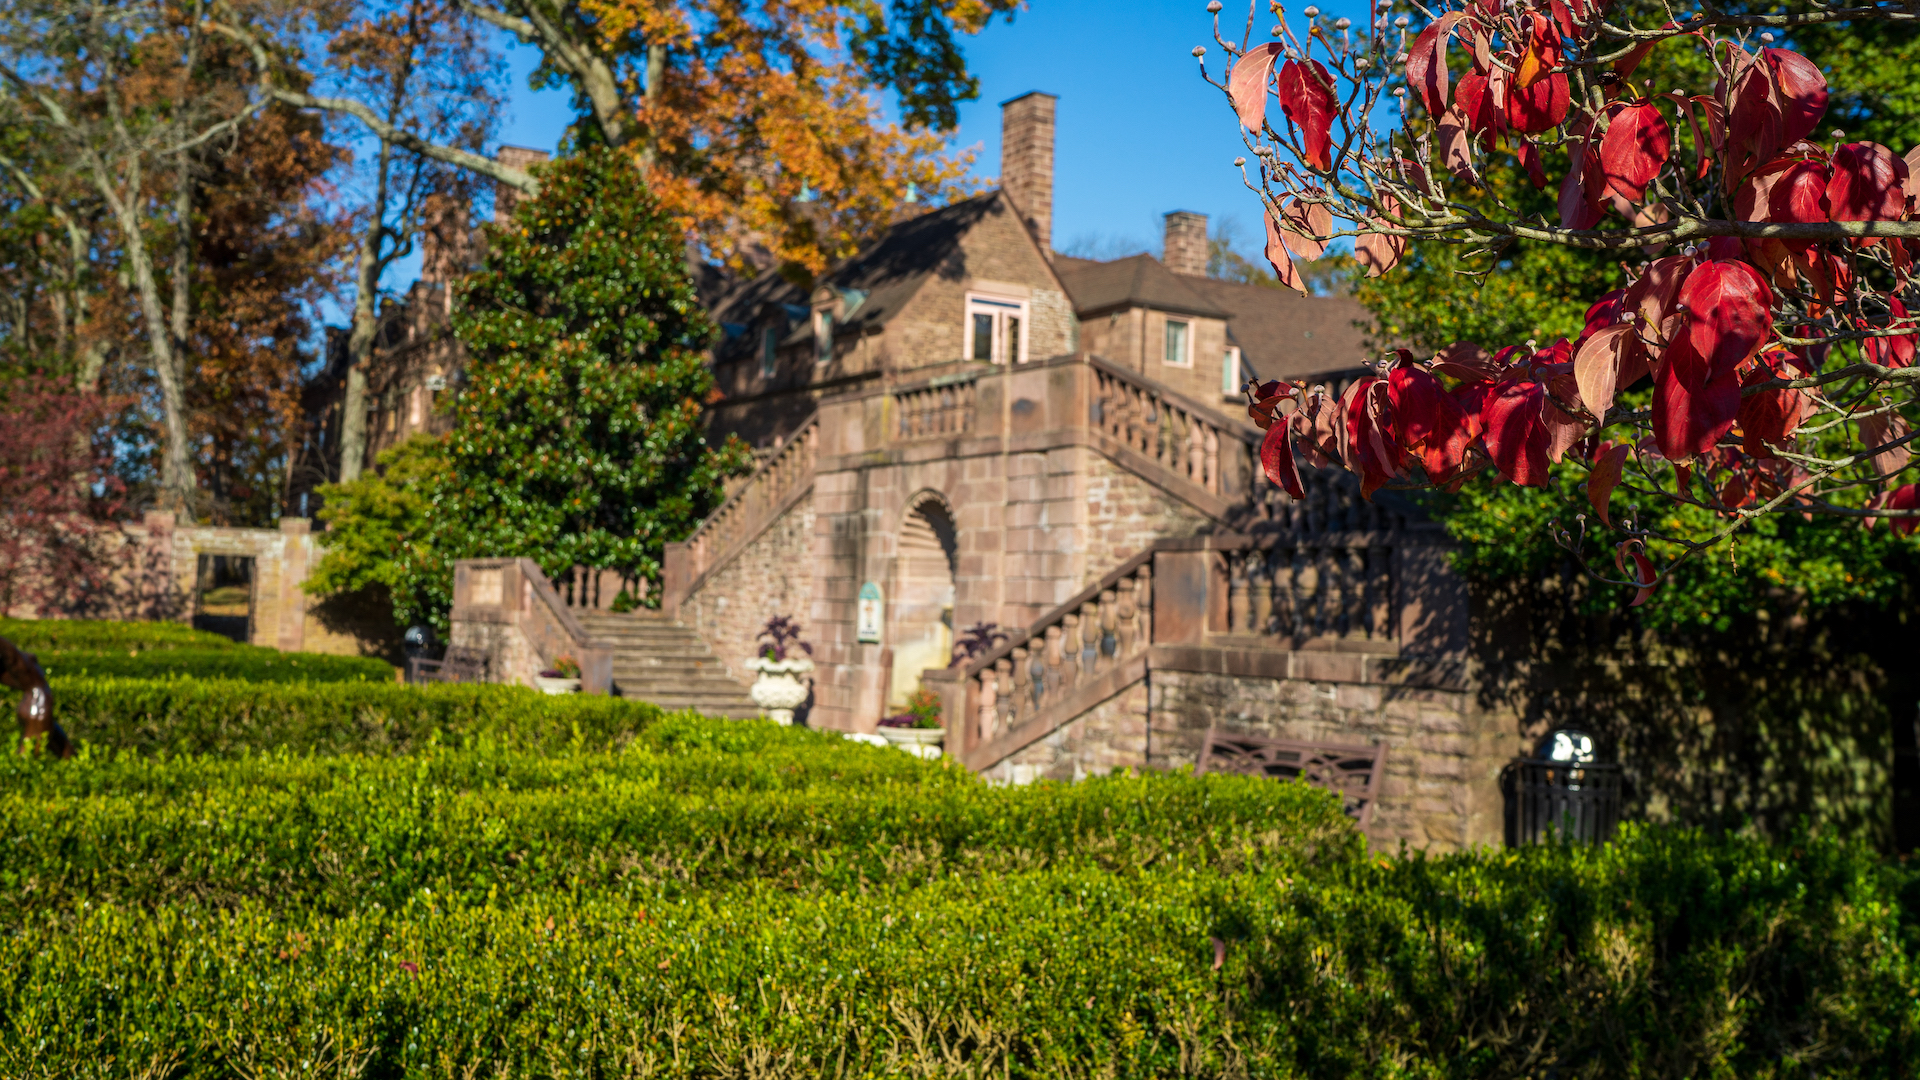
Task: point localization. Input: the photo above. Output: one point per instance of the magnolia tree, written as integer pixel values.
(1757, 354)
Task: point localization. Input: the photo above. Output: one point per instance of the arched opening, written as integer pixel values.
(929, 556)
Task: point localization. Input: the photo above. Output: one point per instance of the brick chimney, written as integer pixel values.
(1026, 160)
(1186, 248)
(506, 198)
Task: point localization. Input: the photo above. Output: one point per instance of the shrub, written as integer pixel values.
(57, 635)
(248, 663)
(227, 716)
(1664, 955)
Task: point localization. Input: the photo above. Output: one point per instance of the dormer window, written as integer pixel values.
(996, 329)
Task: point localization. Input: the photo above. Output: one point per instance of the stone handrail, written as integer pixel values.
(1186, 438)
(515, 594)
(761, 499)
(1291, 591)
(1080, 641)
(588, 588)
(941, 408)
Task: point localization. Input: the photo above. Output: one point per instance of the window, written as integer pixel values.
(1230, 377)
(822, 336)
(1178, 354)
(769, 350)
(995, 329)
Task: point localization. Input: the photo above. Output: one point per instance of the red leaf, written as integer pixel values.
(1564, 430)
(1465, 361)
(1688, 423)
(1542, 53)
(1430, 421)
(1371, 448)
(1728, 317)
(1644, 577)
(1607, 362)
(1301, 224)
(1705, 150)
(1478, 105)
(1770, 416)
(1905, 497)
(1636, 145)
(1530, 161)
(1797, 194)
(1247, 84)
(1378, 252)
(1604, 478)
(1427, 62)
(1515, 437)
(1880, 430)
(1896, 351)
(1539, 107)
(1455, 147)
(1754, 124)
(1654, 295)
(1276, 460)
(1869, 184)
(1306, 96)
(1801, 91)
(1578, 208)
(1278, 258)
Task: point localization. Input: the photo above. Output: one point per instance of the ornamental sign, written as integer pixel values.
(868, 619)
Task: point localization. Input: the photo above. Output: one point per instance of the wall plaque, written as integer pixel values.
(867, 621)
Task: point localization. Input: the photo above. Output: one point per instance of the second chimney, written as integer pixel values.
(1186, 248)
(505, 198)
(1026, 160)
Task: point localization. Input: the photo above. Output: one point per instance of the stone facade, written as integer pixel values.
(771, 576)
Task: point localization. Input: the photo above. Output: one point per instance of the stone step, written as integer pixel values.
(658, 660)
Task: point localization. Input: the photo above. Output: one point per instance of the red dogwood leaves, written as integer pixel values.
(1427, 62)
(1306, 96)
(1635, 147)
(1247, 84)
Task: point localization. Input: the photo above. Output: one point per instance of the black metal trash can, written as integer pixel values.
(1561, 793)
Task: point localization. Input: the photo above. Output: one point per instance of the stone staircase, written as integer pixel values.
(658, 660)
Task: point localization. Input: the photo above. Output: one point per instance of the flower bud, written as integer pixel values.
(1199, 50)
(1311, 12)
(1213, 7)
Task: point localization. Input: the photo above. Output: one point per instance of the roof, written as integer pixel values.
(1135, 281)
(885, 275)
(1284, 335)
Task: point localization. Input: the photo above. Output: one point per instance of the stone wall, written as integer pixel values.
(1124, 515)
(773, 576)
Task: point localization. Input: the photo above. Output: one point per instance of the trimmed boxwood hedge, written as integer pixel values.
(56, 635)
(248, 663)
(1666, 954)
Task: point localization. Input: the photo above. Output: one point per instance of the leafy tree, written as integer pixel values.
(756, 123)
(578, 436)
(377, 522)
(57, 540)
(1760, 365)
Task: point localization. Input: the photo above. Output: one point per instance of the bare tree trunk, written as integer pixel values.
(353, 405)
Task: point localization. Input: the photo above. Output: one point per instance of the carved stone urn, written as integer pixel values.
(779, 689)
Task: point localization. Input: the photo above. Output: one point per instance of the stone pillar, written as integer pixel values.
(296, 550)
(1026, 161)
(1186, 243)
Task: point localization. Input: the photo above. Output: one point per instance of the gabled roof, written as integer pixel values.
(1284, 335)
(888, 272)
(1135, 281)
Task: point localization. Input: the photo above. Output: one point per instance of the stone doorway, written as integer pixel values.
(223, 595)
(929, 556)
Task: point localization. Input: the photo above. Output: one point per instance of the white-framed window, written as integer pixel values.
(996, 329)
(822, 336)
(1179, 344)
(1230, 377)
(769, 350)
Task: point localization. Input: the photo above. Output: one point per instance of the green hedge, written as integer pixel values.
(249, 663)
(1663, 955)
(384, 830)
(55, 635)
(225, 716)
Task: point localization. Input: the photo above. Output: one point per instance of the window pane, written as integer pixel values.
(823, 336)
(1230, 373)
(769, 349)
(1176, 342)
(1013, 339)
(983, 337)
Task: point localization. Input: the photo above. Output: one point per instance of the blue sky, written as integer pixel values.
(1139, 134)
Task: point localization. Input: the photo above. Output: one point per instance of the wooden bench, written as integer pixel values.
(459, 665)
(1352, 772)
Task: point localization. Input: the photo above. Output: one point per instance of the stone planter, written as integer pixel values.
(779, 690)
(920, 742)
(556, 686)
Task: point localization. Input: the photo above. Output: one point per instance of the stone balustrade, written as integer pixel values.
(1166, 430)
(939, 410)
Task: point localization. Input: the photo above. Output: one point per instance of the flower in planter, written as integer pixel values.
(923, 711)
(564, 667)
(779, 637)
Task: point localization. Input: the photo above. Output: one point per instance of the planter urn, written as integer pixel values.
(920, 742)
(779, 690)
(550, 685)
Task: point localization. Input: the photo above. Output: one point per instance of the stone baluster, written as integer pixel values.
(1211, 449)
(1038, 689)
(1143, 602)
(1353, 577)
(1007, 679)
(1056, 665)
(989, 706)
(1070, 658)
(1127, 632)
(1109, 628)
(1239, 604)
(1196, 463)
(1380, 593)
(1022, 704)
(1260, 584)
(1306, 594)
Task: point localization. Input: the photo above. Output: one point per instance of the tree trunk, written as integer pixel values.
(366, 326)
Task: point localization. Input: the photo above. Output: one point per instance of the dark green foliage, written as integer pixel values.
(1664, 955)
(231, 717)
(249, 663)
(578, 435)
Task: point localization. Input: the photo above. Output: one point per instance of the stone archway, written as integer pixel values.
(928, 559)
